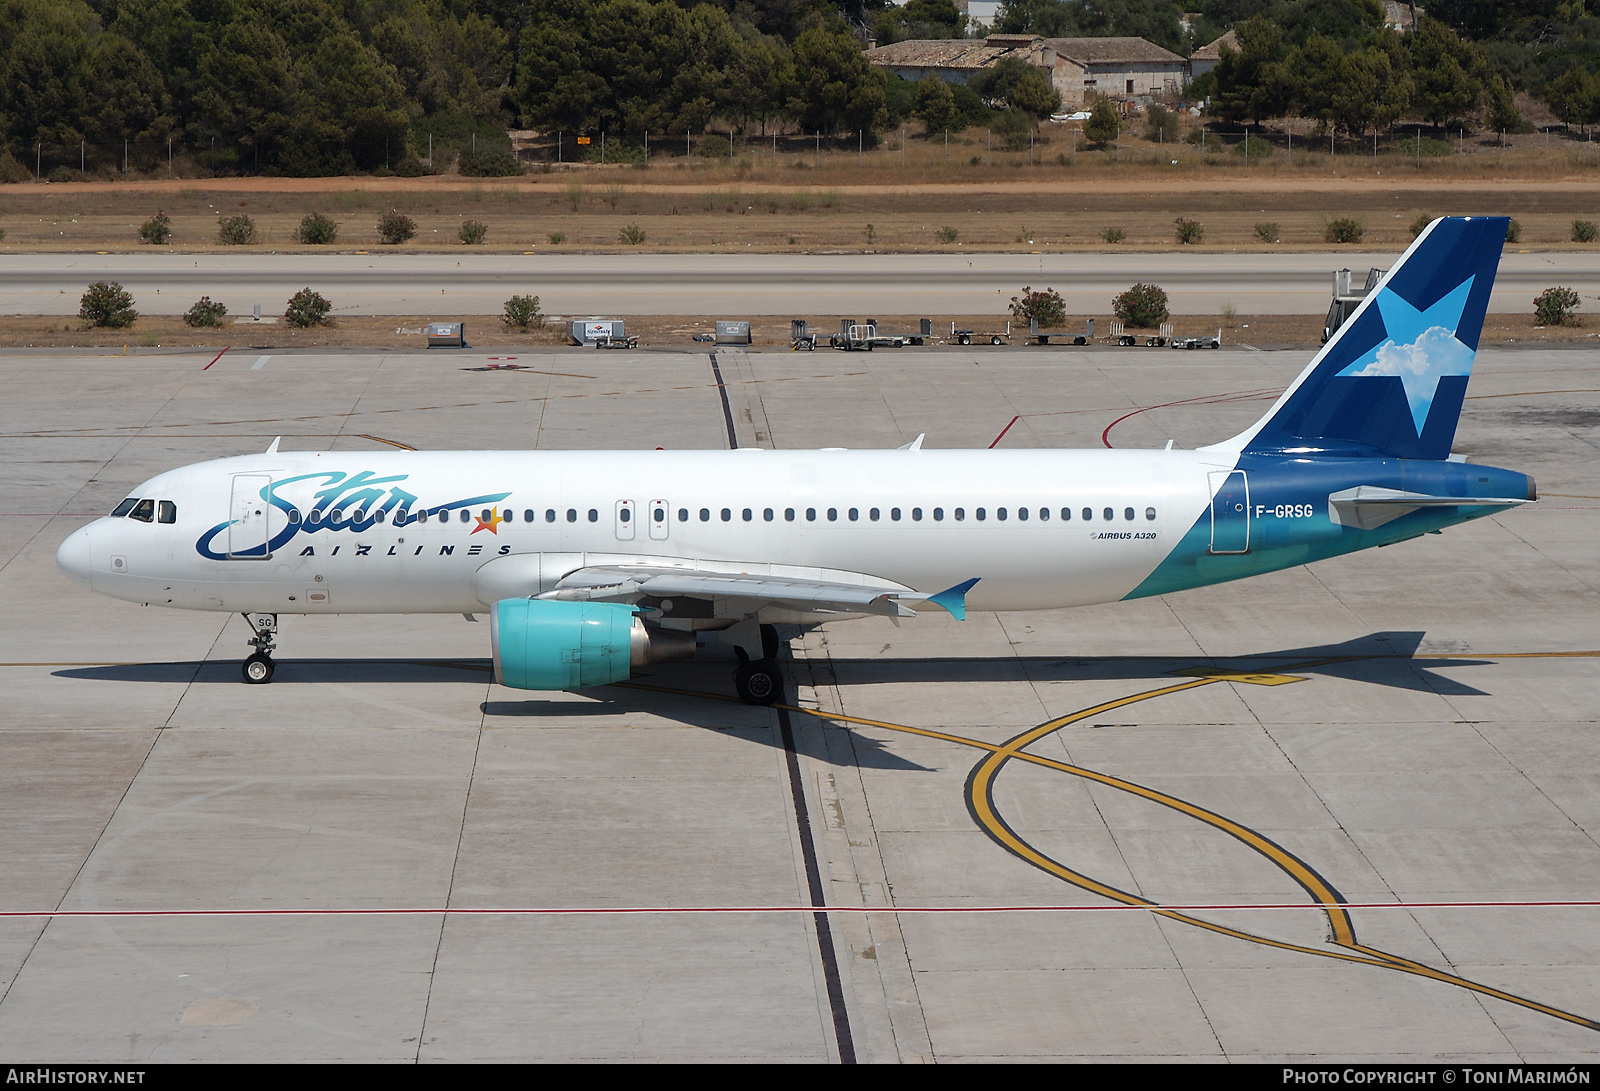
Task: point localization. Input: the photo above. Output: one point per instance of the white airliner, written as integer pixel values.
(594, 563)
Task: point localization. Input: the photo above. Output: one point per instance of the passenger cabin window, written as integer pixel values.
(527, 516)
(594, 515)
(508, 516)
(1108, 514)
(705, 515)
(1127, 513)
(766, 513)
(166, 512)
(624, 515)
(938, 515)
(811, 515)
(122, 509)
(294, 515)
(572, 515)
(788, 515)
(683, 515)
(1088, 514)
(1066, 515)
(1150, 513)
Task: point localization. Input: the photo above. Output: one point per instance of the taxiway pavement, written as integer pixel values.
(378, 829)
(736, 286)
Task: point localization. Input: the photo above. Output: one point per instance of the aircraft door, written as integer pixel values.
(625, 529)
(1230, 512)
(660, 519)
(247, 517)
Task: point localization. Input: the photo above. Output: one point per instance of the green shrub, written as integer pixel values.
(307, 308)
(487, 164)
(395, 228)
(473, 232)
(1103, 124)
(64, 173)
(1555, 307)
(947, 234)
(556, 238)
(11, 169)
(522, 312)
(1343, 229)
(1583, 231)
(1046, 307)
(1513, 231)
(1113, 234)
(205, 312)
(1189, 232)
(236, 231)
(317, 230)
(1267, 232)
(1251, 148)
(1160, 124)
(1420, 224)
(713, 147)
(156, 230)
(412, 167)
(631, 235)
(107, 303)
(1143, 306)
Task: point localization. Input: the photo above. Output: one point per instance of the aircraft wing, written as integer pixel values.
(738, 594)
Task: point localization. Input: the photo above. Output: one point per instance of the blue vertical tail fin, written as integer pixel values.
(1391, 380)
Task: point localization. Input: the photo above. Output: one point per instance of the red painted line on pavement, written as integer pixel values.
(1003, 432)
(217, 357)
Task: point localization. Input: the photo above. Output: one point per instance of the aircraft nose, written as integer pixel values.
(73, 557)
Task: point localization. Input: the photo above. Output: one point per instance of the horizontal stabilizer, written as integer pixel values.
(1366, 507)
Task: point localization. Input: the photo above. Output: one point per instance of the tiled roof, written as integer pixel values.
(1213, 51)
(941, 53)
(1111, 50)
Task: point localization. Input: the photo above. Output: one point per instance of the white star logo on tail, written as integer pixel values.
(1421, 347)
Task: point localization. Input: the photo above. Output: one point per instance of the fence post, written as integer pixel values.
(647, 147)
(602, 147)
(83, 161)
(819, 147)
(947, 147)
(38, 160)
(860, 137)
(730, 145)
(169, 157)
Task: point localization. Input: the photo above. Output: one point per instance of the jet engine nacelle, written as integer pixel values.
(541, 644)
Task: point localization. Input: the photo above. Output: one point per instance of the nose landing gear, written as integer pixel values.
(259, 667)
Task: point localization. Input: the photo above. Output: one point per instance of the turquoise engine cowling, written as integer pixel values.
(542, 644)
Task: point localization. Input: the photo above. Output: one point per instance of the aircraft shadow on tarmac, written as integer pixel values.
(1384, 659)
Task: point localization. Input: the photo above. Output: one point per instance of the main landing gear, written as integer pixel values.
(259, 667)
(759, 681)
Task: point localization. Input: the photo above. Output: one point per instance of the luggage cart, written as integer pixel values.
(801, 336)
(1198, 342)
(1042, 337)
(966, 337)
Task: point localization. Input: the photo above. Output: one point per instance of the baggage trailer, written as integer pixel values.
(801, 335)
(1197, 342)
(854, 336)
(1042, 337)
(1120, 334)
(966, 337)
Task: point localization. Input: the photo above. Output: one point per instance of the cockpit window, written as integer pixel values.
(144, 511)
(124, 508)
(166, 512)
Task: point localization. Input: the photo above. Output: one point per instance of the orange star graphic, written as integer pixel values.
(490, 524)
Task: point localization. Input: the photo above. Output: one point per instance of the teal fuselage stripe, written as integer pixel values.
(1191, 564)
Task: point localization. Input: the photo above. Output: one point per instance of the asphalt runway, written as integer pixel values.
(730, 285)
(1341, 813)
